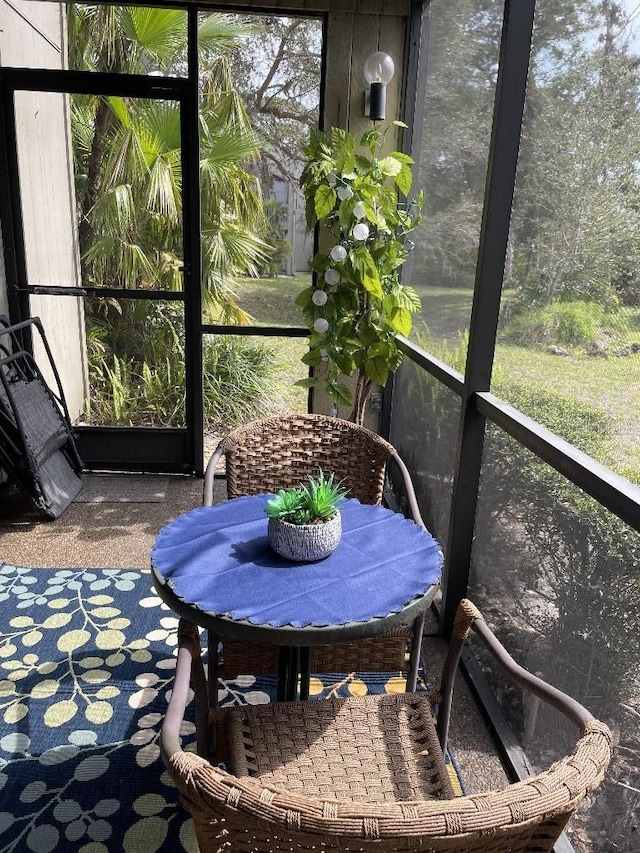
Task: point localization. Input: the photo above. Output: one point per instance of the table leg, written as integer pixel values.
(188, 632)
(414, 657)
(288, 668)
(305, 672)
(284, 663)
(292, 676)
(212, 683)
(212, 668)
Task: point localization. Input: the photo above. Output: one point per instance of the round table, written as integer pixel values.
(214, 567)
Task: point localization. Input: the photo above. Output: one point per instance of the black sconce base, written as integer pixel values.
(377, 101)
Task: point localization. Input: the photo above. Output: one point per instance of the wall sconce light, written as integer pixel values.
(378, 71)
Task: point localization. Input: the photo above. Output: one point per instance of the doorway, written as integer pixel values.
(110, 284)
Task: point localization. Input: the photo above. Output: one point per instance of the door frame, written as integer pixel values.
(170, 450)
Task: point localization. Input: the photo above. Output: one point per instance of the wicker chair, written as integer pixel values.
(277, 453)
(367, 775)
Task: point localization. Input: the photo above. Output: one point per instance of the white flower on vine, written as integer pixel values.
(344, 192)
(332, 276)
(321, 325)
(319, 298)
(338, 253)
(360, 231)
(358, 211)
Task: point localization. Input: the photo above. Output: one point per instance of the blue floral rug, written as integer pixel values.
(86, 661)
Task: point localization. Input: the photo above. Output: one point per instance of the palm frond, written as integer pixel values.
(162, 118)
(232, 250)
(120, 109)
(162, 33)
(229, 143)
(114, 262)
(219, 31)
(114, 212)
(163, 196)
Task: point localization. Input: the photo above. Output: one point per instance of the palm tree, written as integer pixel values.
(128, 164)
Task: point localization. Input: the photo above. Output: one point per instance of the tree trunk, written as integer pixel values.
(363, 386)
(102, 124)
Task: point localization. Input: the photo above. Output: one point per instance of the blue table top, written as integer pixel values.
(218, 560)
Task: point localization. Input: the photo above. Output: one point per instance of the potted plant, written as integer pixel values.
(357, 305)
(304, 521)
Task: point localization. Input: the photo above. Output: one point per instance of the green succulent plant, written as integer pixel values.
(317, 502)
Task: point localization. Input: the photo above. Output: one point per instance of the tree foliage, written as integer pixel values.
(128, 157)
(575, 225)
(277, 70)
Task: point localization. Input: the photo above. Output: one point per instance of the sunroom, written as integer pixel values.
(515, 407)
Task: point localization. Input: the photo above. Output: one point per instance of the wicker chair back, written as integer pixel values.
(278, 453)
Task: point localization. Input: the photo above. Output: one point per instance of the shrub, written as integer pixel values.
(274, 233)
(137, 370)
(239, 380)
(453, 351)
(585, 425)
(564, 323)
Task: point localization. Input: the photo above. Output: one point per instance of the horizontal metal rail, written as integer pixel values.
(95, 83)
(105, 292)
(264, 331)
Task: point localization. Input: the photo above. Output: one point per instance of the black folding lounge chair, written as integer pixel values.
(37, 447)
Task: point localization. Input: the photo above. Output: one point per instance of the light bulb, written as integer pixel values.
(359, 210)
(379, 68)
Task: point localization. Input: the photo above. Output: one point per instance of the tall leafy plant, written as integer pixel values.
(357, 304)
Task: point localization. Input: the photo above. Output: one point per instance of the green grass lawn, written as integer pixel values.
(446, 312)
(611, 383)
(271, 301)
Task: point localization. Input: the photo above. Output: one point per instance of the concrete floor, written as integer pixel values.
(119, 533)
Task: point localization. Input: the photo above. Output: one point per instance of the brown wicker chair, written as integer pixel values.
(277, 453)
(368, 774)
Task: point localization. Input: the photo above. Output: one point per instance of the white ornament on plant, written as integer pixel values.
(338, 253)
(360, 231)
(319, 298)
(344, 193)
(332, 276)
(358, 211)
(321, 325)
